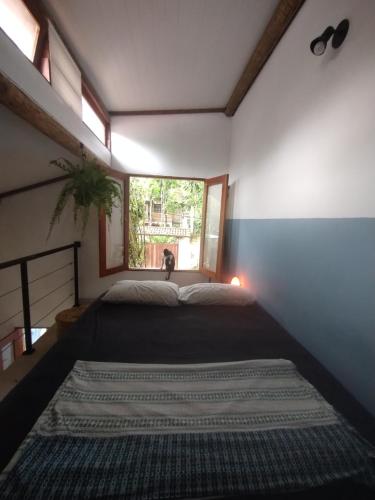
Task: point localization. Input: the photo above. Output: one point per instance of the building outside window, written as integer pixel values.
(164, 213)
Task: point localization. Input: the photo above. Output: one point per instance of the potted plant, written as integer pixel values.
(89, 186)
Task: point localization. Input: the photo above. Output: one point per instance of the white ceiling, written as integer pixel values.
(162, 54)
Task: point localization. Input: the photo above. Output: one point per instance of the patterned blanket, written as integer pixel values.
(185, 431)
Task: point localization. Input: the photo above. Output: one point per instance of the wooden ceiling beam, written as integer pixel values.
(278, 24)
(188, 111)
(22, 105)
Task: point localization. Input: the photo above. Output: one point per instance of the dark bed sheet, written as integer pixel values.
(153, 334)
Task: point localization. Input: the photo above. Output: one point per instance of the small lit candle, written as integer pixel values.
(235, 281)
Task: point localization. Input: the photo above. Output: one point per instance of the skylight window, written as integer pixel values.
(93, 121)
(19, 24)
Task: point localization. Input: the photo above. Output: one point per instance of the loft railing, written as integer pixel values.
(22, 262)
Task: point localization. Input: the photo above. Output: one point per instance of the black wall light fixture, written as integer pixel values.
(319, 44)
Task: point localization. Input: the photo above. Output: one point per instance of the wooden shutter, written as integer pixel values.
(212, 239)
(113, 234)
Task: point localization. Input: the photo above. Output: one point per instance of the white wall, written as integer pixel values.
(24, 221)
(302, 140)
(181, 148)
(25, 154)
(91, 285)
(15, 65)
(303, 206)
(195, 145)
(177, 145)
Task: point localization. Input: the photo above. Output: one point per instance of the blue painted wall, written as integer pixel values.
(317, 278)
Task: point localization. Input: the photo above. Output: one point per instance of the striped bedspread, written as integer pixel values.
(185, 431)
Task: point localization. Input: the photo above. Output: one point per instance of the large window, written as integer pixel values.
(164, 214)
(184, 216)
(20, 25)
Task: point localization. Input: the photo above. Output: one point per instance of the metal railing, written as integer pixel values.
(22, 262)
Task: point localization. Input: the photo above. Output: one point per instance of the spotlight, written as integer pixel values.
(235, 281)
(319, 44)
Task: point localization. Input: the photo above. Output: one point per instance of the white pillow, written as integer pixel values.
(210, 294)
(158, 293)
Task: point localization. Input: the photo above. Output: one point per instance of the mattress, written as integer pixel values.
(150, 334)
(116, 430)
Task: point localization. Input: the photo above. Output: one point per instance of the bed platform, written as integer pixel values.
(110, 333)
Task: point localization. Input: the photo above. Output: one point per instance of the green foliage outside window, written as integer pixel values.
(179, 198)
(136, 222)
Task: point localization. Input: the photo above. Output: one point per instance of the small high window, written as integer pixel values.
(20, 25)
(93, 121)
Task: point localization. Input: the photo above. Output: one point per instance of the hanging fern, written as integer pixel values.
(89, 186)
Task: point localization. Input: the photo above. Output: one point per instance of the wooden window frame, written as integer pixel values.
(100, 111)
(103, 269)
(37, 10)
(224, 180)
(34, 11)
(153, 176)
(198, 179)
(33, 6)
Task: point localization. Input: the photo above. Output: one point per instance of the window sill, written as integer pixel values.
(164, 271)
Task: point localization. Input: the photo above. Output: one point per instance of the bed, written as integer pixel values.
(112, 333)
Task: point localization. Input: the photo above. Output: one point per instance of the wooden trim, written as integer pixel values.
(45, 55)
(223, 180)
(40, 13)
(224, 200)
(93, 100)
(197, 179)
(42, 50)
(278, 24)
(125, 177)
(23, 189)
(201, 179)
(102, 243)
(22, 105)
(34, 8)
(217, 275)
(126, 221)
(93, 95)
(188, 111)
(153, 270)
(108, 138)
(100, 111)
(103, 270)
(203, 227)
